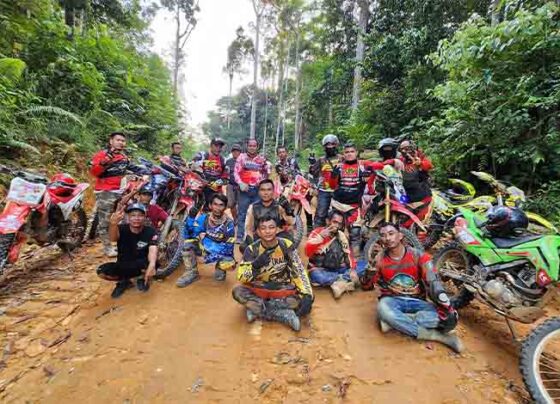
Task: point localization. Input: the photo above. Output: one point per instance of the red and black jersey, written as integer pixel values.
(322, 171)
(416, 178)
(405, 277)
(213, 166)
(349, 180)
(109, 169)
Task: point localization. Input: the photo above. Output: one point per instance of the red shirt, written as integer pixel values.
(108, 169)
(156, 215)
(404, 277)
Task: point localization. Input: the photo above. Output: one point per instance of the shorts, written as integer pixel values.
(232, 193)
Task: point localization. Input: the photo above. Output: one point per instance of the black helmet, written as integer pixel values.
(387, 148)
(136, 206)
(236, 146)
(218, 140)
(503, 221)
(146, 189)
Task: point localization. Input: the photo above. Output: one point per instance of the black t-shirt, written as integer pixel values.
(132, 246)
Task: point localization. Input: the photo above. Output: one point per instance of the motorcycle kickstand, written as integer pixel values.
(512, 330)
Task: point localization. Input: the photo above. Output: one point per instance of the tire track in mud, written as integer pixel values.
(66, 340)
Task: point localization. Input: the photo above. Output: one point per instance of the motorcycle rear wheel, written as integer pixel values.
(76, 231)
(541, 369)
(460, 297)
(6, 241)
(170, 254)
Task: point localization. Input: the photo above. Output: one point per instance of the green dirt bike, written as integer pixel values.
(515, 277)
(445, 205)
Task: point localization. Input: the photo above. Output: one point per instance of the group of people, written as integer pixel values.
(274, 284)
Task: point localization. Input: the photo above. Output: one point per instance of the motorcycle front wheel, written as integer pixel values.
(170, 253)
(540, 362)
(75, 231)
(453, 259)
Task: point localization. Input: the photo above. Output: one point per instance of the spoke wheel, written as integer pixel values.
(454, 260)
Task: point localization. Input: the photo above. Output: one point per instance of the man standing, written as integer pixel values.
(250, 169)
(137, 250)
(214, 235)
(416, 177)
(405, 276)
(322, 170)
(275, 285)
(286, 167)
(109, 166)
(232, 189)
(331, 262)
(213, 168)
(280, 210)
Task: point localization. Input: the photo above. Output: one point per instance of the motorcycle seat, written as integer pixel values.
(508, 242)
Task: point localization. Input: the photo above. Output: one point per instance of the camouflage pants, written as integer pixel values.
(105, 202)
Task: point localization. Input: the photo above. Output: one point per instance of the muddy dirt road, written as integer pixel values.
(65, 340)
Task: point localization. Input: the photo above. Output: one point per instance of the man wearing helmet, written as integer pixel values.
(137, 247)
(109, 166)
(250, 169)
(322, 170)
(213, 168)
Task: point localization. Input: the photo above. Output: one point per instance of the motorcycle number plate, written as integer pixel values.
(25, 192)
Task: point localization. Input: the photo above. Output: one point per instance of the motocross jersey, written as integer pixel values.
(110, 168)
(218, 242)
(350, 178)
(287, 170)
(322, 172)
(251, 170)
(213, 166)
(285, 267)
(405, 277)
(257, 210)
(230, 167)
(329, 252)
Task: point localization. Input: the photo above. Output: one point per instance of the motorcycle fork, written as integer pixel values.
(387, 206)
(169, 219)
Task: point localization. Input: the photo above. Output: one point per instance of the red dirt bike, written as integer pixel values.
(297, 191)
(48, 211)
(183, 192)
(392, 208)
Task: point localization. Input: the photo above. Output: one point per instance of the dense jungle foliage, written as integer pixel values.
(475, 83)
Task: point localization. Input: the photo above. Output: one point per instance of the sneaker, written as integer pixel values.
(385, 328)
(141, 285)
(219, 275)
(187, 278)
(120, 288)
(110, 251)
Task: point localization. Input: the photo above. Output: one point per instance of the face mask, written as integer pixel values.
(331, 151)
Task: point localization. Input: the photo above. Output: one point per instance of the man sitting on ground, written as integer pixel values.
(280, 210)
(405, 276)
(136, 250)
(214, 234)
(331, 262)
(275, 285)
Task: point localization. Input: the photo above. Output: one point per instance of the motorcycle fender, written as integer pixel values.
(13, 217)
(533, 217)
(397, 207)
(15, 249)
(68, 207)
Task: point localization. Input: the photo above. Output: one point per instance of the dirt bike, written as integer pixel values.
(183, 193)
(50, 212)
(296, 192)
(392, 208)
(445, 205)
(515, 277)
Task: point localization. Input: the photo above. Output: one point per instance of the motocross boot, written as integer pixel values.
(385, 327)
(340, 286)
(279, 310)
(449, 339)
(219, 275)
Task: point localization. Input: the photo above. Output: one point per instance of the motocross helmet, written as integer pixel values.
(387, 148)
(136, 206)
(503, 221)
(330, 143)
(62, 184)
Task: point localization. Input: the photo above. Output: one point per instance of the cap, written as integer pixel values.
(236, 146)
(136, 206)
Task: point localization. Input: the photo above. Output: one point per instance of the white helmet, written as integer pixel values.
(330, 138)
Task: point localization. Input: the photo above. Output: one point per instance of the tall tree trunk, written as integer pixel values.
(494, 12)
(285, 91)
(258, 14)
(296, 98)
(283, 61)
(360, 46)
(177, 50)
(228, 118)
(265, 118)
